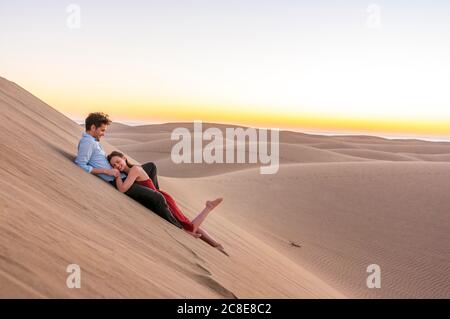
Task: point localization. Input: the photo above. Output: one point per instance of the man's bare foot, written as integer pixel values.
(214, 203)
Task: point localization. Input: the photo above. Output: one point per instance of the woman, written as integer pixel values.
(137, 174)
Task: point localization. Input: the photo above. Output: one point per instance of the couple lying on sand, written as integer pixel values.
(138, 182)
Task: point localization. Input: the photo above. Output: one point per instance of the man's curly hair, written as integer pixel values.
(97, 119)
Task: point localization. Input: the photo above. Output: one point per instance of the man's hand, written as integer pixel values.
(112, 172)
(116, 173)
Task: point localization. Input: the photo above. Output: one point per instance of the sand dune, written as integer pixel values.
(53, 214)
(147, 142)
(375, 155)
(346, 216)
(418, 148)
(160, 150)
(337, 205)
(431, 157)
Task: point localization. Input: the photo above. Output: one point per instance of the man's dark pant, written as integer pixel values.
(151, 199)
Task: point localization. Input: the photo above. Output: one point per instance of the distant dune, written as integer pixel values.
(337, 205)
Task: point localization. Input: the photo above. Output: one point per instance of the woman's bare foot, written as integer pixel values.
(214, 203)
(196, 235)
(210, 205)
(222, 250)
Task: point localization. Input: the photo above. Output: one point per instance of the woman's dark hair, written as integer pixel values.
(116, 153)
(97, 119)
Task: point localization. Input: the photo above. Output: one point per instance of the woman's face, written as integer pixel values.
(119, 163)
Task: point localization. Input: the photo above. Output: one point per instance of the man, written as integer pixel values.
(92, 158)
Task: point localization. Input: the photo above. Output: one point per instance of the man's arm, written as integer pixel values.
(85, 150)
(104, 171)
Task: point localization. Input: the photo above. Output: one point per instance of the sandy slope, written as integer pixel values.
(346, 216)
(337, 205)
(53, 214)
(348, 201)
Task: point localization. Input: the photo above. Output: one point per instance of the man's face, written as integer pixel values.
(98, 132)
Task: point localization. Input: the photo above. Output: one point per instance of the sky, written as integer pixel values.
(335, 66)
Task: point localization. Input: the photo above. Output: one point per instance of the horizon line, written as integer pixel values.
(391, 136)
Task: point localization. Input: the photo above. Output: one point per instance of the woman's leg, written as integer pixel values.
(207, 237)
(150, 169)
(210, 205)
(196, 235)
(210, 240)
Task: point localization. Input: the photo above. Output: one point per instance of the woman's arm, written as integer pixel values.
(124, 186)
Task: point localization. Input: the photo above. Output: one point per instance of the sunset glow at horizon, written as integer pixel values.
(345, 67)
